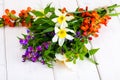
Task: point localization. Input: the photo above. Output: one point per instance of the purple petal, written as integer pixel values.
(39, 48)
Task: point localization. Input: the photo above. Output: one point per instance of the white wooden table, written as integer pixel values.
(108, 57)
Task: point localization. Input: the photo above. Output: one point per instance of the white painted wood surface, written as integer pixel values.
(11, 67)
(2, 49)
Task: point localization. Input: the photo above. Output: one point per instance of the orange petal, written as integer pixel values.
(7, 11)
(13, 11)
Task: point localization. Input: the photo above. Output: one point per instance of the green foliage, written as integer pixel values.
(93, 51)
(37, 13)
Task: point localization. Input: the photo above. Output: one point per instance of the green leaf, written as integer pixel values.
(48, 30)
(93, 51)
(28, 19)
(81, 56)
(92, 60)
(38, 13)
(47, 9)
(114, 14)
(38, 21)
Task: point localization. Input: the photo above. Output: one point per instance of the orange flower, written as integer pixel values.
(9, 17)
(63, 10)
(95, 14)
(92, 22)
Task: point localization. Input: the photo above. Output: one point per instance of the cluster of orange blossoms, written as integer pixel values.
(92, 22)
(90, 26)
(11, 19)
(24, 14)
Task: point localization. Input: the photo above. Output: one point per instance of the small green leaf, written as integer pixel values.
(81, 56)
(92, 60)
(48, 30)
(38, 21)
(47, 9)
(28, 19)
(93, 51)
(38, 13)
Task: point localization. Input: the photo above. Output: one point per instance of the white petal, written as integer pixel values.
(69, 30)
(57, 12)
(56, 29)
(55, 38)
(54, 20)
(68, 18)
(48, 14)
(64, 25)
(36, 18)
(69, 37)
(57, 25)
(61, 41)
(60, 57)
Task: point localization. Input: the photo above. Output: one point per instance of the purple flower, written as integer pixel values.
(23, 41)
(39, 48)
(46, 45)
(28, 37)
(42, 61)
(78, 34)
(37, 55)
(28, 31)
(30, 49)
(34, 59)
(24, 58)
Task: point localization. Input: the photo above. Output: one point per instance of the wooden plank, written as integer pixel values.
(80, 71)
(2, 50)
(17, 70)
(2, 72)
(2, 53)
(108, 55)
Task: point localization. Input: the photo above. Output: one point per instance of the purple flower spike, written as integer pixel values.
(39, 48)
(30, 49)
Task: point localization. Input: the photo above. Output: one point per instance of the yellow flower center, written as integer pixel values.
(61, 19)
(62, 33)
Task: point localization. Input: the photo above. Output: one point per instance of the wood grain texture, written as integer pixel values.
(107, 57)
(2, 49)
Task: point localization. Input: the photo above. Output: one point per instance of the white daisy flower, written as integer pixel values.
(61, 35)
(62, 18)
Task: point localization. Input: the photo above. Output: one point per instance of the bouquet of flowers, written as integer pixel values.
(57, 34)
